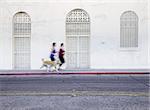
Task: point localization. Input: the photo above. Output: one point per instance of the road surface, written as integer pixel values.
(75, 92)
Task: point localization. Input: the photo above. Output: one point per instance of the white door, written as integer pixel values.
(78, 39)
(84, 54)
(72, 52)
(22, 53)
(22, 39)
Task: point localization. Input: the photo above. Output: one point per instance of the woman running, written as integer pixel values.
(61, 54)
(53, 52)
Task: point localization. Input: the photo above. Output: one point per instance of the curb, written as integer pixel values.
(72, 73)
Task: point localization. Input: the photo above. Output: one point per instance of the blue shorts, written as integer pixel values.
(52, 58)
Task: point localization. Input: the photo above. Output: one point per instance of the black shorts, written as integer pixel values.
(62, 60)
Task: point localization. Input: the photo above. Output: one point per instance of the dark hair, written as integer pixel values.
(61, 44)
(54, 44)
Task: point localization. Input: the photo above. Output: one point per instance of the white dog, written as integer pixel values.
(50, 64)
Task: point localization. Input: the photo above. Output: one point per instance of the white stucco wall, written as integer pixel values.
(148, 18)
(48, 25)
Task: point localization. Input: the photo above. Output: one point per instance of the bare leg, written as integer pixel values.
(41, 67)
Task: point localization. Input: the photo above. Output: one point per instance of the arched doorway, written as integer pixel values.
(78, 39)
(21, 41)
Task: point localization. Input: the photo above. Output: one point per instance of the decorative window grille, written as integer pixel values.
(78, 36)
(22, 39)
(129, 30)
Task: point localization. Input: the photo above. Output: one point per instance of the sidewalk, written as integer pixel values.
(79, 71)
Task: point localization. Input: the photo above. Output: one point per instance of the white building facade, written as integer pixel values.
(98, 34)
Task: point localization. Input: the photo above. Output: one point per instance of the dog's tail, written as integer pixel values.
(42, 59)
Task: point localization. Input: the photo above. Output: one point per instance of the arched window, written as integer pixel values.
(78, 39)
(22, 39)
(129, 30)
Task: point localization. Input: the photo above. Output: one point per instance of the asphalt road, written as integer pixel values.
(88, 92)
(74, 103)
(51, 83)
